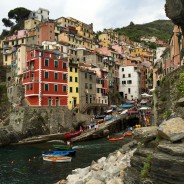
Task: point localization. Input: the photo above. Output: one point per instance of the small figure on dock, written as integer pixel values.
(68, 143)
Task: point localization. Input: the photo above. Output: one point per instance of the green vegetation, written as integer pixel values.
(147, 166)
(18, 15)
(180, 85)
(161, 29)
(166, 114)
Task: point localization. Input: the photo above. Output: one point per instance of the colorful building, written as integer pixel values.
(45, 79)
(73, 86)
(107, 38)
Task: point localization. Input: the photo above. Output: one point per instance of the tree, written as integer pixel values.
(7, 22)
(131, 24)
(4, 33)
(19, 14)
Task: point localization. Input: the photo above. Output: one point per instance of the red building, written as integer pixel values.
(45, 79)
(104, 82)
(45, 31)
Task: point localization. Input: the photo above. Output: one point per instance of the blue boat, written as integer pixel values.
(59, 153)
(126, 105)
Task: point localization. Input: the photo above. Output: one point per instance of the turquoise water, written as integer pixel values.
(24, 164)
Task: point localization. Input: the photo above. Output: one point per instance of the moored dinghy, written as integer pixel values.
(57, 159)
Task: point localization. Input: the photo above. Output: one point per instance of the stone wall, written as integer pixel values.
(168, 96)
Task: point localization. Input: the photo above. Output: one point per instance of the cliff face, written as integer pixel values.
(159, 158)
(26, 122)
(170, 96)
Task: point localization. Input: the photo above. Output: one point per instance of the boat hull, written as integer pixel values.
(116, 138)
(57, 159)
(72, 135)
(59, 153)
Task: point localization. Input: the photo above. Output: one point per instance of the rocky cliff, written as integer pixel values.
(159, 158)
(26, 122)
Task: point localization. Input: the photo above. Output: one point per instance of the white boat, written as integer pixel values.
(57, 158)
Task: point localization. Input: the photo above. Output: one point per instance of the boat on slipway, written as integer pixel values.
(57, 159)
(72, 134)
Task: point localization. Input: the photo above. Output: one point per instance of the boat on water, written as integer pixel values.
(128, 134)
(62, 147)
(59, 153)
(108, 117)
(108, 111)
(72, 134)
(57, 159)
(116, 138)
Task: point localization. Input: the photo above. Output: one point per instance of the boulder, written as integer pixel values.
(180, 102)
(171, 149)
(145, 134)
(94, 181)
(172, 129)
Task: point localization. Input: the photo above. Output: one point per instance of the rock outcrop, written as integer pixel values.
(158, 160)
(108, 170)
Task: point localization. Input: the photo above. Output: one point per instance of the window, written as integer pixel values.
(71, 90)
(64, 65)
(75, 70)
(55, 75)
(123, 75)
(46, 75)
(129, 90)
(24, 75)
(86, 75)
(90, 77)
(123, 82)
(31, 86)
(64, 76)
(76, 79)
(90, 86)
(129, 82)
(77, 90)
(70, 69)
(86, 86)
(46, 87)
(22, 40)
(64, 88)
(122, 69)
(70, 78)
(46, 62)
(55, 87)
(55, 64)
(129, 75)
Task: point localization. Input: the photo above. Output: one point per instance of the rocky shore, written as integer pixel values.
(108, 170)
(156, 155)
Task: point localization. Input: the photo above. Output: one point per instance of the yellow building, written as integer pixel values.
(30, 24)
(75, 33)
(144, 52)
(73, 86)
(108, 37)
(76, 41)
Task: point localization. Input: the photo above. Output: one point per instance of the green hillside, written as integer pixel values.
(160, 28)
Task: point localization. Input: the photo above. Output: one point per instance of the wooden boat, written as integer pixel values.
(128, 134)
(59, 153)
(57, 159)
(116, 138)
(72, 134)
(62, 147)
